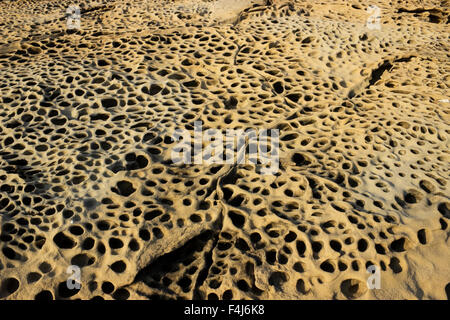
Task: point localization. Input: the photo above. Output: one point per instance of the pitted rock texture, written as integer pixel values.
(87, 120)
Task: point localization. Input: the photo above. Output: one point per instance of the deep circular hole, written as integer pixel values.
(44, 295)
(107, 287)
(119, 266)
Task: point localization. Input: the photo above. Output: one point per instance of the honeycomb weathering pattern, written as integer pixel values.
(87, 179)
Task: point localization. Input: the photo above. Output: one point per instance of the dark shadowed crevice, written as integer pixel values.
(379, 71)
(435, 15)
(152, 274)
(203, 274)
